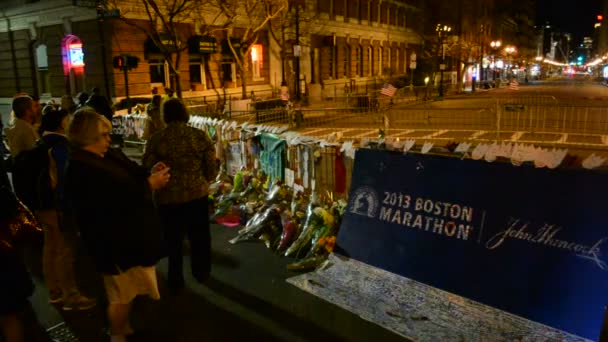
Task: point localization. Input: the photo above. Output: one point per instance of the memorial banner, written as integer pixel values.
(528, 241)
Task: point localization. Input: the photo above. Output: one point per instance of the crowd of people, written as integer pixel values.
(126, 215)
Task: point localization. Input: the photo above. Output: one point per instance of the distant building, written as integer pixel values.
(54, 47)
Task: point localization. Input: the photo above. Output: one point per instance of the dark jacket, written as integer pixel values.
(101, 105)
(111, 201)
(15, 282)
(58, 145)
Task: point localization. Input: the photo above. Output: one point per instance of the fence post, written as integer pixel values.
(498, 118)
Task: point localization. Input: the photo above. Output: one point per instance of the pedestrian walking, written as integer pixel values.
(183, 202)
(81, 98)
(100, 103)
(68, 104)
(154, 120)
(57, 255)
(111, 199)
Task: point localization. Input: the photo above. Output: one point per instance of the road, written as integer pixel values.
(565, 112)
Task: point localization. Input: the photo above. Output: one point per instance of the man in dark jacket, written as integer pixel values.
(100, 104)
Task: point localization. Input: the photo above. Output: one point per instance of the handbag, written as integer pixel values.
(18, 224)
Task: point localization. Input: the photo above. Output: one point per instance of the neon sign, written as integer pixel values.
(76, 56)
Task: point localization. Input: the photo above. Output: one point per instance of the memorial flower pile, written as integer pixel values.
(295, 224)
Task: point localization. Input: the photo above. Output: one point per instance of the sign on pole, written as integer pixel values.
(413, 60)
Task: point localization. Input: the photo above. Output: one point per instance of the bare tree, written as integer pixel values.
(244, 21)
(160, 21)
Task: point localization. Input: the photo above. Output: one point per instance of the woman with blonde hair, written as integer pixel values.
(110, 197)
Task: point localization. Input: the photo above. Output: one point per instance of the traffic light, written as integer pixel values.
(125, 61)
(118, 62)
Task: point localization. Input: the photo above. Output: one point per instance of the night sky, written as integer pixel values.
(573, 16)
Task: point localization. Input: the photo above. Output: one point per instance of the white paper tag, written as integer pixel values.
(289, 177)
(479, 151)
(463, 148)
(297, 188)
(593, 161)
(426, 147)
(408, 145)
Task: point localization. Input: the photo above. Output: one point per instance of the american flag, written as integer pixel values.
(388, 90)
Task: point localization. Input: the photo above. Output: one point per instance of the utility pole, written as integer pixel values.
(297, 52)
(283, 82)
(102, 45)
(126, 72)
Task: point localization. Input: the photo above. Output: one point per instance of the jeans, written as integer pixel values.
(191, 218)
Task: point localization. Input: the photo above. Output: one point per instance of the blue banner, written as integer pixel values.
(528, 241)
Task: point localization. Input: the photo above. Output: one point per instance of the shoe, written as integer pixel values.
(79, 302)
(54, 299)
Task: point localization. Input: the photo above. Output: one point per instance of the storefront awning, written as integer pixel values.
(166, 42)
(236, 44)
(202, 45)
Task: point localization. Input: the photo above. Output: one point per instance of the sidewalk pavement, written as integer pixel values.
(246, 299)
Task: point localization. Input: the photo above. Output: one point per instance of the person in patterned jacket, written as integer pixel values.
(183, 206)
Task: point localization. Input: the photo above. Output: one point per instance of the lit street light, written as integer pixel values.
(495, 45)
(442, 32)
(509, 50)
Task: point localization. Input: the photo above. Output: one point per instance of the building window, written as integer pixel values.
(380, 61)
(374, 11)
(359, 61)
(257, 61)
(370, 61)
(42, 68)
(339, 7)
(324, 6)
(197, 73)
(158, 71)
(346, 63)
(388, 62)
(332, 62)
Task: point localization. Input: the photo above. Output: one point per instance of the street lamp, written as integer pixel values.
(442, 32)
(495, 45)
(509, 50)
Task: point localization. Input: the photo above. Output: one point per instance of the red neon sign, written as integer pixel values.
(76, 56)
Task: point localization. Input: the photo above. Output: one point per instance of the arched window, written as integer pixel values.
(42, 69)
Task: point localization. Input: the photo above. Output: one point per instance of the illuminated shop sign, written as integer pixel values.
(76, 56)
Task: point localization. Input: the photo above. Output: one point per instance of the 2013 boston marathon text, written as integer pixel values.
(452, 220)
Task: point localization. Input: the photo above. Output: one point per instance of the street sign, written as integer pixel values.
(413, 65)
(441, 66)
(297, 50)
(114, 13)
